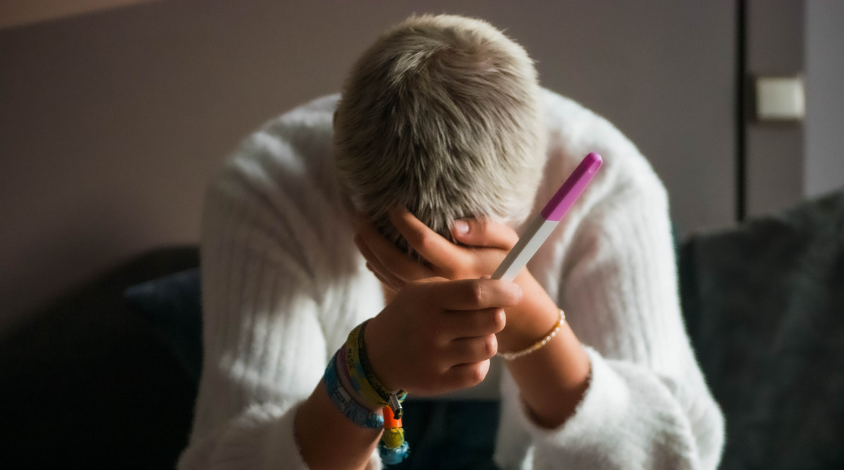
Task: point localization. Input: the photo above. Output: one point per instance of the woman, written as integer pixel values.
(442, 145)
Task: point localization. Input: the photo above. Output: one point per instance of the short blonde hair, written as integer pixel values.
(441, 115)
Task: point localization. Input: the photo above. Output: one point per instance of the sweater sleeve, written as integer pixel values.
(647, 405)
(264, 247)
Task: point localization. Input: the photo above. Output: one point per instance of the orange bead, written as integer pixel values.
(389, 420)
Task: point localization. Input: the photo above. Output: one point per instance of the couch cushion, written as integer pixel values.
(87, 383)
(764, 305)
(173, 304)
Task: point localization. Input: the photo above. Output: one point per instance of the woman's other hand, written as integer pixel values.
(488, 242)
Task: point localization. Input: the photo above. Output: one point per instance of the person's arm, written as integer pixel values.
(259, 301)
(647, 405)
(271, 242)
(552, 379)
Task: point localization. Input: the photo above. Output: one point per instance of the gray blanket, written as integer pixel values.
(764, 305)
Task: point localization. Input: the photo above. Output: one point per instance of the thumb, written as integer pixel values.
(484, 233)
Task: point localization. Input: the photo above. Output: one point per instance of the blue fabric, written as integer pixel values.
(173, 304)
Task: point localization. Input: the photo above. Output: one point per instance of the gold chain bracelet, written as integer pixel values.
(509, 356)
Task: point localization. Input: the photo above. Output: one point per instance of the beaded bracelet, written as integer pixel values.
(344, 401)
(509, 356)
(393, 448)
(359, 374)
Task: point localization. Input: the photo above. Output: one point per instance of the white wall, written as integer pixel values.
(824, 126)
(112, 123)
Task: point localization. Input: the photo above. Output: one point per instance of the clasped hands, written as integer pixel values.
(447, 318)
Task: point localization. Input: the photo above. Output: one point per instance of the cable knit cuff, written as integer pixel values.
(599, 415)
(624, 416)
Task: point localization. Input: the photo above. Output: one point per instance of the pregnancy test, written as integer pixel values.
(541, 227)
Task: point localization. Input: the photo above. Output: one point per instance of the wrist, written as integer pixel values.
(531, 319)
(377, 352)
(346, 382)
(554, 379)
(329, 440)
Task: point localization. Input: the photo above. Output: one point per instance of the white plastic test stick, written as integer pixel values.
(538, 230)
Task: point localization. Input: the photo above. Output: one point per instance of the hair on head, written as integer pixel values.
(441, 115)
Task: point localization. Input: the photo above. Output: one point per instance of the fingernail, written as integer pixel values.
(461, 227)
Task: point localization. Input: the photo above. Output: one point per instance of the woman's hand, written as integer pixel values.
(438, 335)
(488, 243)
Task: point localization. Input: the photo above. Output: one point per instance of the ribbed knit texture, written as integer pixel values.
(283, 284)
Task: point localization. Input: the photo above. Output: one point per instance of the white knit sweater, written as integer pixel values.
(283, 284)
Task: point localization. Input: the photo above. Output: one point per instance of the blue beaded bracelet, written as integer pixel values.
(344, 402)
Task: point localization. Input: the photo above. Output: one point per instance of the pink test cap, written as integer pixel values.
(571, 189)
